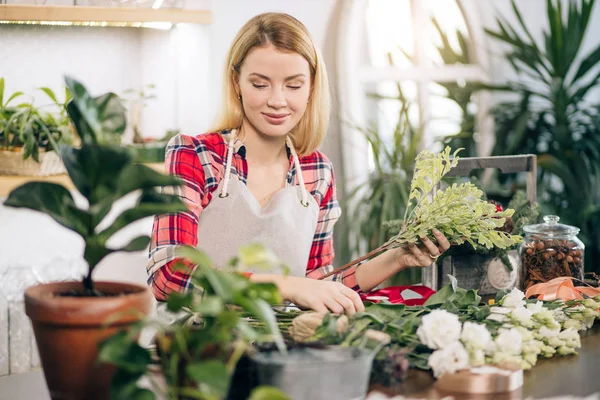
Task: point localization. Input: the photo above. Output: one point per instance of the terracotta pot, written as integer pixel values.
(68, 329)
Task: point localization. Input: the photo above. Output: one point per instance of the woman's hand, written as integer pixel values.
(320, 296)
(425, 254)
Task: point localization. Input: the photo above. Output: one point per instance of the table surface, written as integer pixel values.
(575, 375)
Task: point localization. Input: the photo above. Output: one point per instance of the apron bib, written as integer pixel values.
(234, 217)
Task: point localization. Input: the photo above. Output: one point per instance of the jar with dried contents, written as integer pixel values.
(550, 250)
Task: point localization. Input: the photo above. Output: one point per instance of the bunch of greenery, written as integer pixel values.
(553, 117)
(525, 214)
(196, 355)
(102, 174)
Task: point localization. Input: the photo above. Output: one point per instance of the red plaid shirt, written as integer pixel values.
(200, 163)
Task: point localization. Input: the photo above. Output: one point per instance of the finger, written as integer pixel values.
(345, 302)
(319, 307)
(355, 298)
(422, 259)
(443, 242)
(430, 246)
(334, 306)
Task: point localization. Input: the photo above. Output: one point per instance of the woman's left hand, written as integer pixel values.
(424, 254)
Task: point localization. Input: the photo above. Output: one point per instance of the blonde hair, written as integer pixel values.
(285, 33)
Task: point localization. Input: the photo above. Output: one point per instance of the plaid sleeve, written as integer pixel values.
(176, 229)
(322, 252)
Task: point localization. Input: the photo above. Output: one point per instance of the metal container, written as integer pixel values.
(332, 373)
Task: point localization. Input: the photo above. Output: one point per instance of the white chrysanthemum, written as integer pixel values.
(475, 336)
(509, 341)
(438, 329)
(449, 359)
(513, 299)
(522, 316)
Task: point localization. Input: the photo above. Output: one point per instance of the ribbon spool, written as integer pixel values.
(393, 294)
(481, 380)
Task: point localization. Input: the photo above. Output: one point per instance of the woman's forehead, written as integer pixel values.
(269, 62)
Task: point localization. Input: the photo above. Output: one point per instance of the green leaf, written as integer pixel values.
(2, 105)
(124, 387)
(267, 393)
(385, 312)
(137, 244)
(13, 96)
(177, 301)
(137, 176)
(212, 373)
(52, 199)
(123, 351)
(441, 296)
(209, 306)
(261, 310)
(50, 94)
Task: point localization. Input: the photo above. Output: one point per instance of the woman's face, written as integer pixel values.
(275, 87)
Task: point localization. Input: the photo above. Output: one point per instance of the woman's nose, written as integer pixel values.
(277, 99)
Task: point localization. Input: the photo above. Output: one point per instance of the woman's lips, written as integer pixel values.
(275, 119)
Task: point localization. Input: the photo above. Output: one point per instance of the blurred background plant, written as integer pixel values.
(552, 117)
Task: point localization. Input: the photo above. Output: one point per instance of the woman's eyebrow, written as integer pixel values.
(289, 78)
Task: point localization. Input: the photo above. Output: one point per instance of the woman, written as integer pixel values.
(259, 177)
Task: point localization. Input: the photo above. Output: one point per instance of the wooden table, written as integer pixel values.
(569, 375)
(577, 375)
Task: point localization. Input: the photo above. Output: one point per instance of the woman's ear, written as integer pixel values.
(235, 80)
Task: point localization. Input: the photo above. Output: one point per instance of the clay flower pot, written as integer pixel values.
(68, 330)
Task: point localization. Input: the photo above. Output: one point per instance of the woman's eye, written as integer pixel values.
(294, 87)
(259, 86)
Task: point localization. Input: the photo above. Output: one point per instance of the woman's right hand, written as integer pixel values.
(320, 296)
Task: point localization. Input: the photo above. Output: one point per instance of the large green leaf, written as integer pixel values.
(54, 200)
(96, 119)
(123, 351)
(137, 176)
(262, 310)
(137, 244)
(212, 373)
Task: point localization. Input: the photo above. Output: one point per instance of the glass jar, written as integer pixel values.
(550, 250)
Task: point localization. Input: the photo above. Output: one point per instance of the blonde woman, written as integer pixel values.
(258, 177)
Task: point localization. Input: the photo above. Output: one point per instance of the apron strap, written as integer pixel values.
(300, 178)
(224, 192)
(304, 200)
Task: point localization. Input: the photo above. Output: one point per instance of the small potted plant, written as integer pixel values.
(70, 318)
(29, 137)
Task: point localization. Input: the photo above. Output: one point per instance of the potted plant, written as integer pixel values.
(29, 138)
(195, 356)
(70, 318)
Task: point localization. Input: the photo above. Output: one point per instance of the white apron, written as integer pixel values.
(286, 224)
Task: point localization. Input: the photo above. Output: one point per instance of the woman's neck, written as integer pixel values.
(260, 148)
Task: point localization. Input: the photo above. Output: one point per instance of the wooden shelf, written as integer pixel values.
(8, 183)
(111, 15)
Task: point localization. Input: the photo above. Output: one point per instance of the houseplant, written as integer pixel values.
(29, 138)
(551, 116)
(70, 318)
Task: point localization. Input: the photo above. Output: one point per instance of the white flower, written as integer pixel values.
(571, 338)
(559, 315)
(497, 317)
(564, 350)
(530, 359)
(556, 342)
(548, 333)
(588, 323)
(509, 341)
(526, 334)
(545, 317)
(475, 336)
(477, 358)
(500, 310)
(500, 357)
(548, 351)
(449, 359)
(522, 316)
(438, 329)
(514, 299)
(535, 307)
(591, 303)
(572, 323)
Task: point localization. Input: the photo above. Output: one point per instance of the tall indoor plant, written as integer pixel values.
(552, 117)
(70, 318)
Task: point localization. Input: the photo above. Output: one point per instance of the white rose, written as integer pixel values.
(438, 329)
(522, 316)
(475, 336)
(535, 307)
(449, 359)
(513, 299)
(509, 341)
